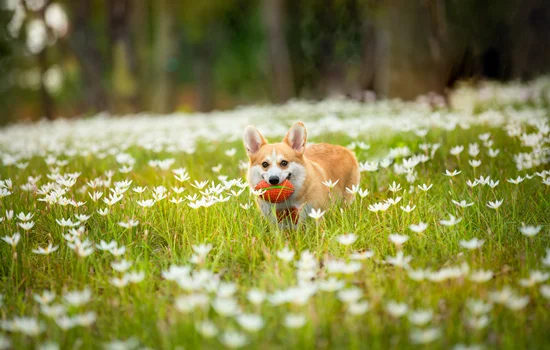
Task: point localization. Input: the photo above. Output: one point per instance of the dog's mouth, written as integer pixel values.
(288, 177)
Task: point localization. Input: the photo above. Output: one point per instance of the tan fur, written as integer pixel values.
(322, 162)
(328, 162)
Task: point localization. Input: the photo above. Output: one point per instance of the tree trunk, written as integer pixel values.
(82, 41)
(123, 58)
(414, 61)
(47, 102)
(279, 58)
(165, 50)
(205, 78)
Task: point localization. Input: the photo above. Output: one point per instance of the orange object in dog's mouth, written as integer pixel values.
(275, 193)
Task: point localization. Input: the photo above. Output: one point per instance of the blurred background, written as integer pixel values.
(68, 58)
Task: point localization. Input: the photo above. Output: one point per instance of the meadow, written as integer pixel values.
(141, 232)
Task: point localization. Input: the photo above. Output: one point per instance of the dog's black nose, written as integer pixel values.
(274, 180)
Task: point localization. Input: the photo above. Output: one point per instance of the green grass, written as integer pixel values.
(245, 246)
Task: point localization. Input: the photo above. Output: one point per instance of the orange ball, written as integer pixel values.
(275, 193)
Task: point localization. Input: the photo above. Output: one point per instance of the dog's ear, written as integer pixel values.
(253, 140)
(296, 137)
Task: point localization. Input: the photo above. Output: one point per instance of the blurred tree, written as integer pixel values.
(123, 57)
(165, 48)
(85, 47)
(162, 55)
(274, 13)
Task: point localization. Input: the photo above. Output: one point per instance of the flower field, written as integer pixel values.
(141, 232)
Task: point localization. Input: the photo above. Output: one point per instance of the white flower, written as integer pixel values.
(139, 189)
(394, 187)
(119, 282)
(472, 244)
(408, 208)
(451, 222)
(367, 254)
(393, 201)
(517, 303)
(534, 278)
(45, 251)
(207, 329)
(478, 322)
(379, 207)
(418, 228)
(493, 184)
(424, 336)
(231, 152)
(225, 306)
(455, 151)
(250, 322)
(484, 136)
(330, 184)
(396, 309)
(350, 295)
(5, 343)
(353, 190)
(53, 311)
(363, 192)
(78, 298)
(493, 152)
(255, 296)
(474, 163)
(188, 303)
(481, 276)
(67, 223)
(417, 275)
(27, 325)
(478, 307)
(483, 180)
(530, 231)
(128, 344)
(25, 217)
(26, 225)
(425, 187)
(45, 298)
(398, 239)
(346, 239)
(420, 317)
(129, 224)
(285, 254)
(12, 240)
(331, 284)
(358, 308)
(495, 205)
(121, 266)
(233, 339)
(516, 181)
(316, 213)
(546, 259)
(147, 203)
(472, 184)
(226, 289)
(545, 291)
(135, 276)
(176, 272)
(399, 259)
(294, 320)
(452, 174)
(462, 203)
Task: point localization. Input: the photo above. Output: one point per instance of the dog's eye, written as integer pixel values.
(265, 164)
(284, 163)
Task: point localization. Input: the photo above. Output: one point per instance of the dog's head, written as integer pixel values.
(277, 161)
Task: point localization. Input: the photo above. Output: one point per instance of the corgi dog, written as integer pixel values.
(306, 167)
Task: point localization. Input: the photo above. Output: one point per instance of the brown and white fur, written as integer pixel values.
(306, 167)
